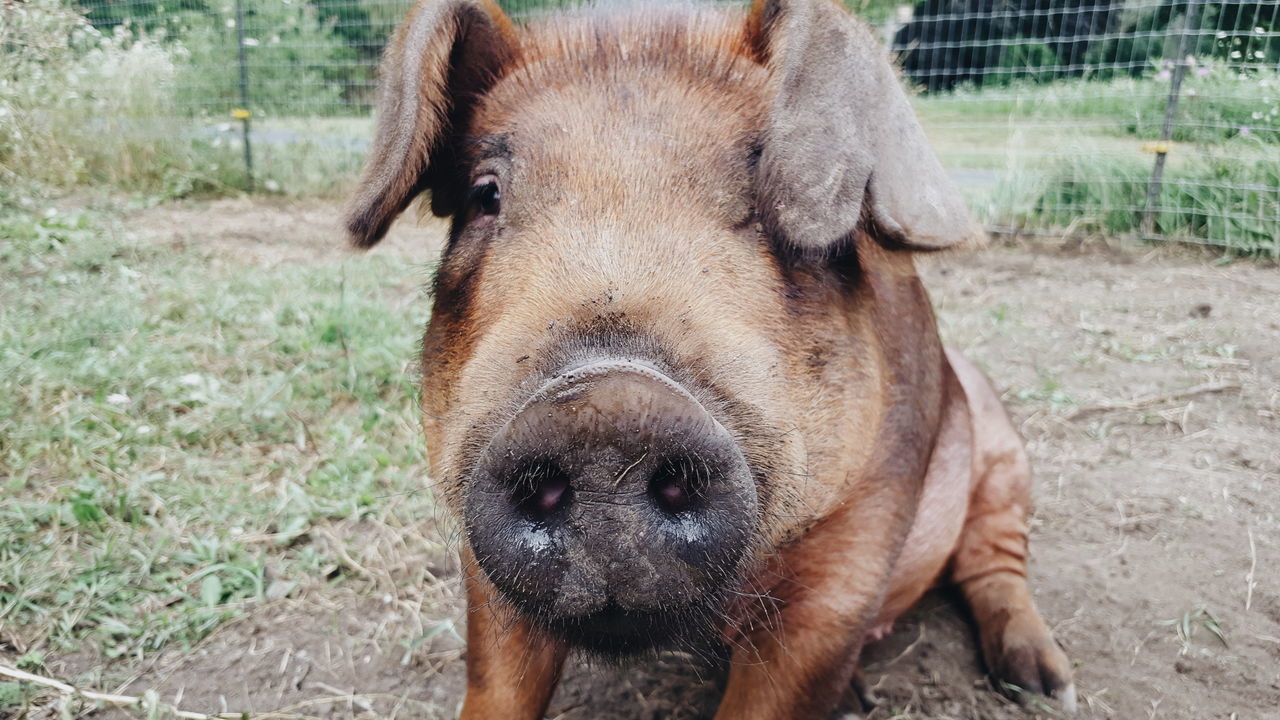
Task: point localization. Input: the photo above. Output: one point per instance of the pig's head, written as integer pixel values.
(652, 219)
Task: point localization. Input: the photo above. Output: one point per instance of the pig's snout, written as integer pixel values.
(612, 507)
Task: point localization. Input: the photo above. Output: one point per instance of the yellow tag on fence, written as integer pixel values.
(240, 113)
(1162, 147)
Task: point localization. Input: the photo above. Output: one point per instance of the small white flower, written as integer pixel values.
(118, 399)
(192, 379)
(144, 429)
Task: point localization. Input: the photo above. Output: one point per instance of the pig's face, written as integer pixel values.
(605, 368)
(646, 335)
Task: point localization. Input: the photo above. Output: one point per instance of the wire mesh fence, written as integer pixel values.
(1150, 118)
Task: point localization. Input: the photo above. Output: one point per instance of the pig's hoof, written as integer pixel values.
(1031, 664)
(863, 693)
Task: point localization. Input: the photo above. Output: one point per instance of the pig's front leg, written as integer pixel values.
(800, 662)
(512, 669)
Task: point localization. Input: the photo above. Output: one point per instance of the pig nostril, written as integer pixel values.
(541, 487)
(678, 484)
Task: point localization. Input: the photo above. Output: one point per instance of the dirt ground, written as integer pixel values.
(1147, 385)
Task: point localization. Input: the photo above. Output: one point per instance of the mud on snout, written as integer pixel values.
(613, 509)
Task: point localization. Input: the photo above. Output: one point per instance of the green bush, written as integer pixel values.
(78, 106)
(1034, 61)
(148, 15)
(296, 63)
(1148, 36)
(365, 25)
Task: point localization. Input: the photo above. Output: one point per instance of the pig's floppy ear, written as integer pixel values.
(444, 55)
(842, 139)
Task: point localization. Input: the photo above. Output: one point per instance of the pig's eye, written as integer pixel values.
(485, 198)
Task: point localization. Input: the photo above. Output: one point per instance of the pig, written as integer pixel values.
(681, 385)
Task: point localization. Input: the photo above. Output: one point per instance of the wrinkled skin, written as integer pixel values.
(655, 221)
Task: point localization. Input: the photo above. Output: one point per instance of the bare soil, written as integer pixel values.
(1147, 385)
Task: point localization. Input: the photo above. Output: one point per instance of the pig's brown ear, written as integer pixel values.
(444, 55)
(842, 138)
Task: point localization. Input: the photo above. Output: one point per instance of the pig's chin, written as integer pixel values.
(615, 632)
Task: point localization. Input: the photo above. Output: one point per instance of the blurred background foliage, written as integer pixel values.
(1023, 99)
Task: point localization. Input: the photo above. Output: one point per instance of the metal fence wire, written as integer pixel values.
(1151, 118)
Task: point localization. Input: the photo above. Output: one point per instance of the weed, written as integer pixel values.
(1049, 390)
(1187, 625)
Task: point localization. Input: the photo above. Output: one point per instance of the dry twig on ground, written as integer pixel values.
(1142, 401)
(94, 696)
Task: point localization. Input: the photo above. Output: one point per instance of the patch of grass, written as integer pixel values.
(12, 695)
(1229, 201)
(1069, 156)
(308, 156)
(94, 110)
(85, 108)
(1216, 104)
(1049, 391)
(174, 428)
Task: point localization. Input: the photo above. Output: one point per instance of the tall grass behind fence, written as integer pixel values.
(1155, 118)
(1151, 118)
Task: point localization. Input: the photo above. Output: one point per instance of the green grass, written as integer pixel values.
(1212, 108)
(1074, 156)
(175, 427)
(318, 156)
(1228, 202)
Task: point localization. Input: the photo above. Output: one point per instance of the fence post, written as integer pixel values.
(243, 112)
(1190, 19)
